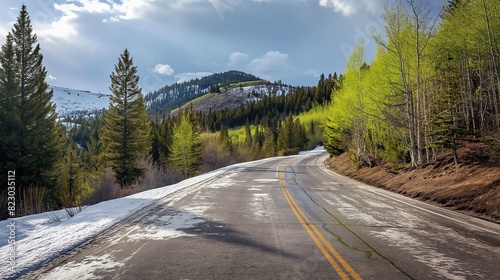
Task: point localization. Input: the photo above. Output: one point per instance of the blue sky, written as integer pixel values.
(289, 40)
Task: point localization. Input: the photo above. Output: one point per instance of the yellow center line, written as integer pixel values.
(314, 233)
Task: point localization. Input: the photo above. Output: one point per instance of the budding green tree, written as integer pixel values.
(185, 149)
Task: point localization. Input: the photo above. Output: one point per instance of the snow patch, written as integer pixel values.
(447, 267)
(259, 206)
(73, 101)
(266, 180)
(86, 270)
(163, 227)
(40, 240)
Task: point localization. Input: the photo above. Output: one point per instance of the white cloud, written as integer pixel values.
(65, 26)
(163, 69)
(52, 78)
(350, 7)
(111, 19)
(237, 58)
(342, 6)
(272, 61)
(183, 77)
(132, 9)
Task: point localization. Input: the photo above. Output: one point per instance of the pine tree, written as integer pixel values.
(72, 189)
(126, 125)
(248, 135)
(255, 144)
(162, 140)
(29, 142)
(95, 150)
(269, 145)
(227, 145)
(186, 147)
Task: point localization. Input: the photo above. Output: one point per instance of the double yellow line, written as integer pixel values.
(335, 259)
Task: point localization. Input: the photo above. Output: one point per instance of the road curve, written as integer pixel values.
(288, 218)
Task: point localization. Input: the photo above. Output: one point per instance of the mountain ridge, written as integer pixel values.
(170, 97)
(235, 95)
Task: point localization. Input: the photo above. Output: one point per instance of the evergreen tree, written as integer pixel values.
(292, 136)
(225, 141)
(256, 143)
(186, 147)
(95, 150)
(71, 186)
(248, 135)
(29, 142)
(162, 141)
(269, 145)
(126, 125)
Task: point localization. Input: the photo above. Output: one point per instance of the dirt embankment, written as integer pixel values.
(472, 186)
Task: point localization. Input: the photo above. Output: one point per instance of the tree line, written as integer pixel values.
(273, 108)
(433, 84)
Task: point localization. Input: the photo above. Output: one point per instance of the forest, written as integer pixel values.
(433, 85)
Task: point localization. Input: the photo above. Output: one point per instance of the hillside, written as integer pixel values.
(175, 95)
(472, 186)
(233, 96)
(72, 102)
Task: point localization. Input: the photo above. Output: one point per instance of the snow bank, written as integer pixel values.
(40, 239)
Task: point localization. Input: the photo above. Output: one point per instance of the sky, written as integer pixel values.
(175, 40)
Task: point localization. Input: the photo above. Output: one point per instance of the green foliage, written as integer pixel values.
(273, 107)
(72, 188)
(428, 88)
(29, 141)
(352, 111)
(126, 131)
(93, 156)
(318, 114)
(162, 139)
(291, 136)
(269, 144)
(225, 141)
(186, 147)
(244, 84)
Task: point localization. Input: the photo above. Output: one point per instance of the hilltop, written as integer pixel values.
(235, 95)
(172, 96)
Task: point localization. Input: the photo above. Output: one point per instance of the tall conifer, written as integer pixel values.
(29, 142)
(126, 131)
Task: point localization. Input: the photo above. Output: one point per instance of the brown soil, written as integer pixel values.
(472, 186)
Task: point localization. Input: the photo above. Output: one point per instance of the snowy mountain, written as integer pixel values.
(73, 102)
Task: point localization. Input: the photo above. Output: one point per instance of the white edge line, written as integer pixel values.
(368, 188)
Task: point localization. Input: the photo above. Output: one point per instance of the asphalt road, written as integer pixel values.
(288, 218)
